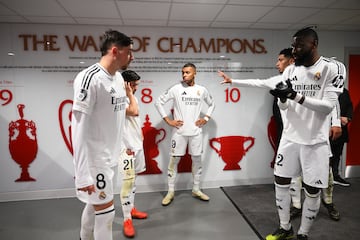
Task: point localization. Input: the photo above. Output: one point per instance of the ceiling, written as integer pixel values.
(334, 15)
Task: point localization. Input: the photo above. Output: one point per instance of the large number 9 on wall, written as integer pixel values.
(5, 96)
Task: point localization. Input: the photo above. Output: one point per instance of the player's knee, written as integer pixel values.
(310, 191)
(282, 180)
(100, 207)
(173, 163)
(127, 186)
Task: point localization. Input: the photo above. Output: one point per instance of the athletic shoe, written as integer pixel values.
(128, 228)
(301, 237)
(295, 212)
(168, 198)
(281, 234)
(136, 214)
(200, 195)
(340, 181)
(333, 212)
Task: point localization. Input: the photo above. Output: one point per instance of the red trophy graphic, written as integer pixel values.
(23, 144)
(231, 149)
(151, 141)
(185, 163)
(65, 122)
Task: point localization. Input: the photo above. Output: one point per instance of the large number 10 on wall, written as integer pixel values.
(232, 95)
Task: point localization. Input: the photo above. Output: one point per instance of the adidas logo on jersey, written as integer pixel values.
(184, 93)
(318, 182)
(112, 91)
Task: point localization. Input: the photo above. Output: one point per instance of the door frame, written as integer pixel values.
(349, 171)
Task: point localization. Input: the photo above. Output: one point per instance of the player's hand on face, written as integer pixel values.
(225, 77)
(89, 189)
(128, 89)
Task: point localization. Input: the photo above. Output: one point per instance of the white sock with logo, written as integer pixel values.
(310, 210)
(282, 195)
(196, 172)
(103, 223)
(295, 191)
(87, 222)
(172, 172)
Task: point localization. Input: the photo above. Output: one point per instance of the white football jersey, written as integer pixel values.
(103, 98)
(261, 83)
(188, 103)
(303, 125)
(133, 137)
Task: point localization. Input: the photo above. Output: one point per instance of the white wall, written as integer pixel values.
(41, 79)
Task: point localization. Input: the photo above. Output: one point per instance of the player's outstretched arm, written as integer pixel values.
(225, 77)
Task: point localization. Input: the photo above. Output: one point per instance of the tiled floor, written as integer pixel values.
(185, 218)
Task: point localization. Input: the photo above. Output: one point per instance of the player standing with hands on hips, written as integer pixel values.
(309, 94)
(97, 127)
(187, 124)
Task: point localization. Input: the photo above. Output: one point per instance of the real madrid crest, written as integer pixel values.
(317, 76)
(102, 195)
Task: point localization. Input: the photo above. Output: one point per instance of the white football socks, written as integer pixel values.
(125, 197)
(282, 195)
(310, 209)
(87, 222)
(172, 172)
(295, 191)
(103, 223)
(196, 172)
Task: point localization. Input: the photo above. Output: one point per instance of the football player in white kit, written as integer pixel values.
(132, 160)
(327, 194)
(97, 128)
(309, 94)
(284, 60)
(188, 99)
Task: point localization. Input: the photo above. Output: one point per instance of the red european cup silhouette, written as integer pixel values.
(23, 144)
(152, 137)
(232, 149)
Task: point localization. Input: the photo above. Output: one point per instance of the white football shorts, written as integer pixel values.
(103, 181)
(179, 144)
(309, 161)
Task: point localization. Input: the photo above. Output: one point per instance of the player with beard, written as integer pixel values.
(308, 93)
(188, 99)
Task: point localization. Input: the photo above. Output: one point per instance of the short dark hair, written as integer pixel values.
(130, 76)
(287, 52)
(307, 32)
(111, 37)
(190, 65)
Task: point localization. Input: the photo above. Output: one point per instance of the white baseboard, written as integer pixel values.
(69, 193)
(352, 171)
